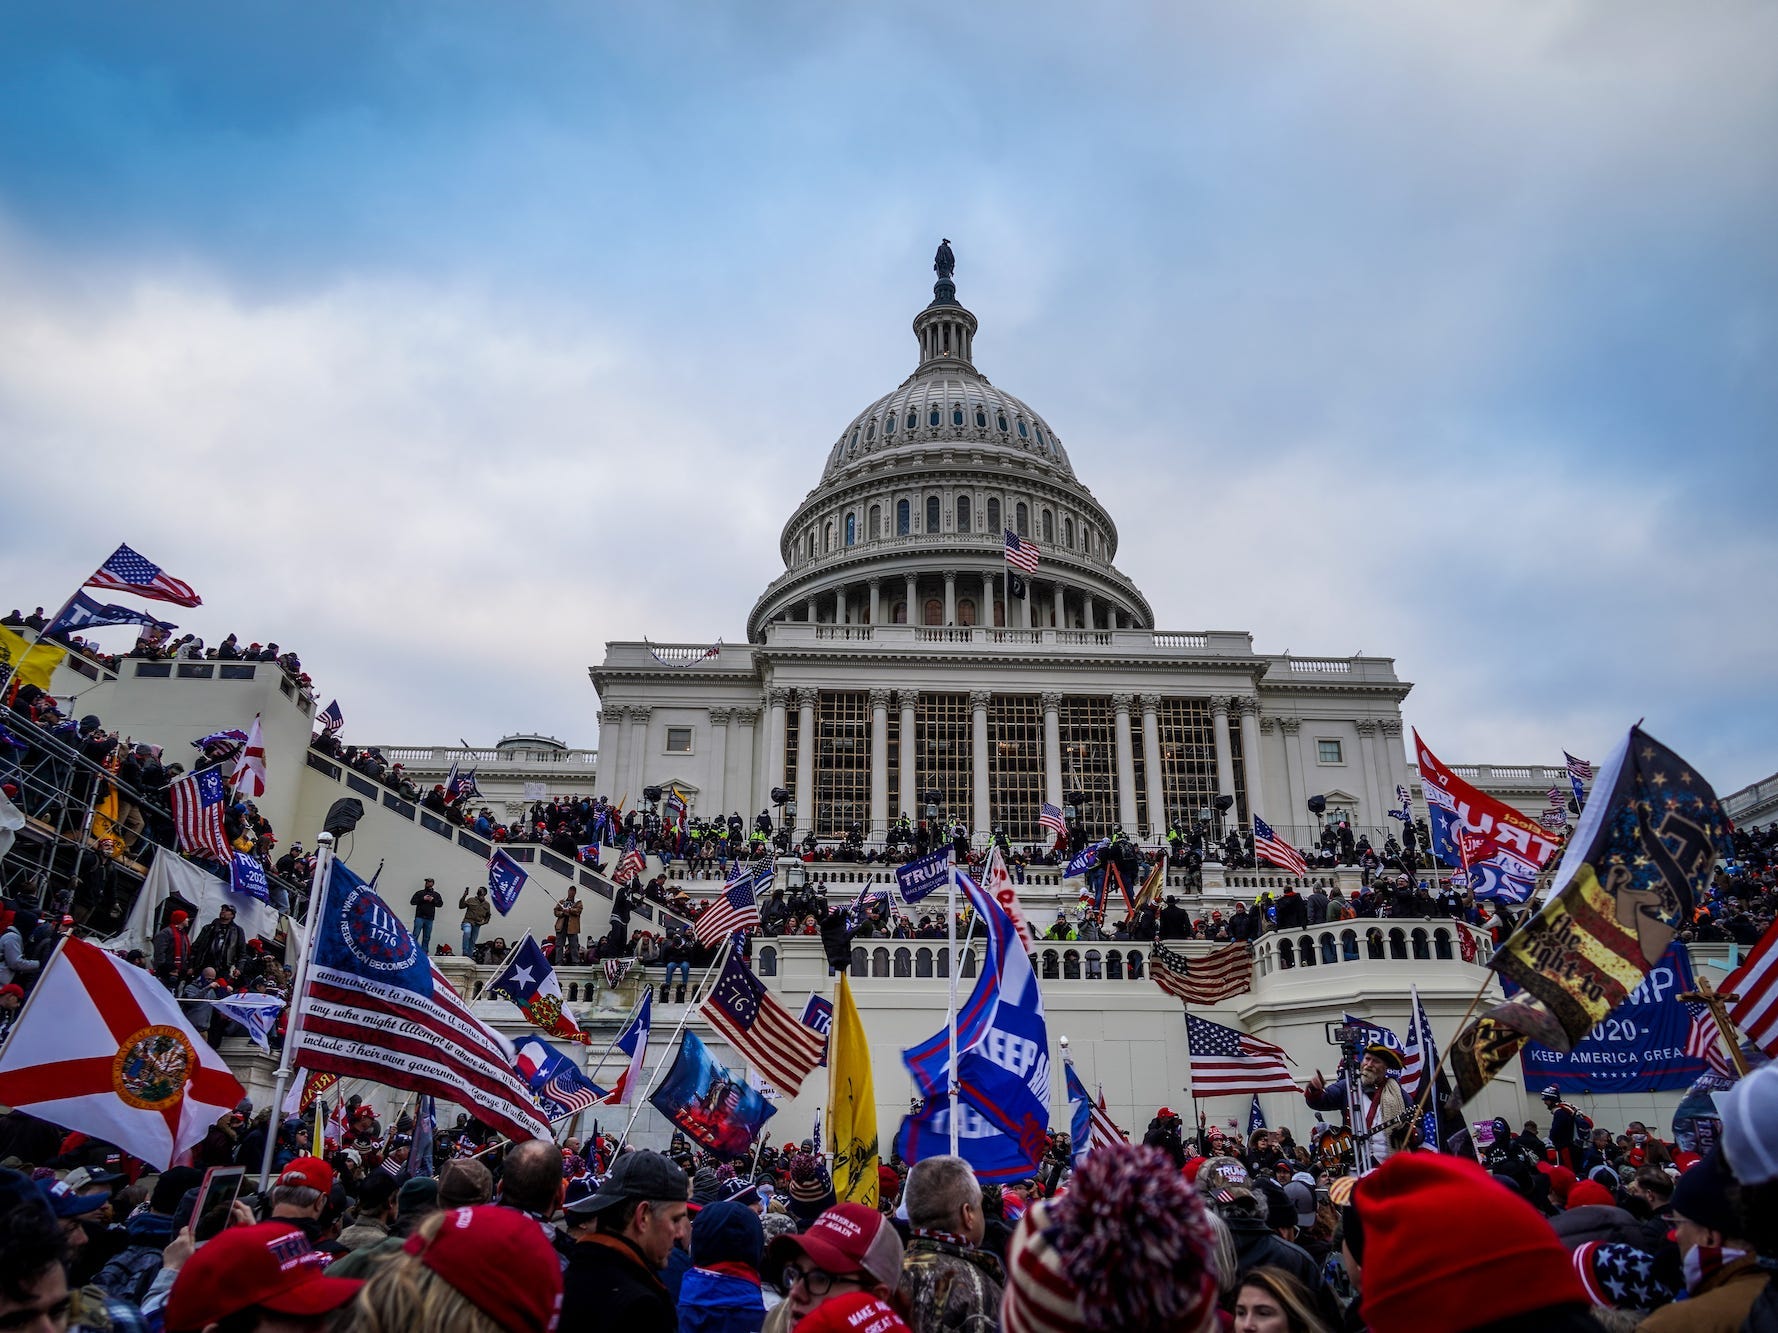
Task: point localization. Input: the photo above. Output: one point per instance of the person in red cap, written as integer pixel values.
(299, 1197)
(172, 949)
(487, 1259)
(1494, 1267)
(851, 1250)
(258, 1277)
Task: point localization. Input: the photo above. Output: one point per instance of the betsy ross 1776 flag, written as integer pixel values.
(377, 1009)
(1214, 977)
(101, 1048)
(125, 571)
(741, 1010)
(1268, 846)
(531, 983)
(1225, 1062)
(198, 800)
(1647, 845)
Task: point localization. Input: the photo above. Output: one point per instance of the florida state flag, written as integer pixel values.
(101, 1048)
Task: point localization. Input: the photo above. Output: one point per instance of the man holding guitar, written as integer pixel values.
(1380, 1108)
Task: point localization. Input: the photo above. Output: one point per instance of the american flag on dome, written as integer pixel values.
(1225, 1062)
(1267, 846)
(1050, 817)
(198, 799)
(125, 571)
(1021, 552)
(737, 909)
(1755, 986)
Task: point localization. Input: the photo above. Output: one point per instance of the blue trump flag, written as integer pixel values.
(1256, 1118)
(84, 613)
(920, 877)
(995, 1157)
(247, 875)
(1080, 1116)
(1086, 859)
(1003, 1064)
(505, 878)
(717, 1110)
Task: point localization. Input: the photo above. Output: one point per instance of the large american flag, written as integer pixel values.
(125, 571)
(1021, 552)
(1051, 818)
(1216, 976)
(630, 864)
(1105, 1130)
(744, 1012)
(198, 799)
(736, 909)
(1225, 1062)
(1578, 768)
(330, 718)
(1703, 1040)
(1755, 983)
(1267, 846)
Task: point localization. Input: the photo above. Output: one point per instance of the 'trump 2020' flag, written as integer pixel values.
(102, 1048)
(505, 878)
(377, 1009)
(1520, 847)
(1003, 1067)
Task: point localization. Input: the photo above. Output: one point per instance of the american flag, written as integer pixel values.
(1268, 847)
(630, 864)
(1579, 769)
(1703, 1040)
(125, 571)
(1755, 983)
(616, 969)
(1558, 798)
(198, 799)
(1225, 1062)
(1216, 976)
(744, 1012)
(1021, 552)
(1105, 1130)
(737, 909)
(1050, 817)
(330, 718)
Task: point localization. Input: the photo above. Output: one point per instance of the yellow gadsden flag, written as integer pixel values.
(35, 662)
(851, 1105)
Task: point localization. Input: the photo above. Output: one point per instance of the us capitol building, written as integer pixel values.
(887, 661)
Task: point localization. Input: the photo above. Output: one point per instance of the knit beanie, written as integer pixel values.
(1126, 1247)
(1421, 1272)
(809, 1181)
(1585, 1192)
(1620, 1277)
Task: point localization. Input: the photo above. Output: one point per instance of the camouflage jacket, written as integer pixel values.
(949, 1287)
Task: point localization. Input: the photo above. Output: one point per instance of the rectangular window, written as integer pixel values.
(943, 741)
(678, 740)
(842, 763)
(1188, 759)
(1329, 752)
(1089, 760)
(1015, 765)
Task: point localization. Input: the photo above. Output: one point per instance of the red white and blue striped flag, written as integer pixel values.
(1051, 818)
(1755, 984)
(198, 799)
(1225, 1062)
(1267, 846)
(736, 910)
(1021, 552)
(125, 571)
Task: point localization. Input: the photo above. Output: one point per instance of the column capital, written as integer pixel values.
(1391, 726)
(1366, 727)
(1151, 703)
(908, 699)
(807, 696)
(1052, 700)
(1290, 725)
(1221, 703)
(614, 713)
(980, 699)
(641, 712)
(1121, 701)
(879, 698)
(1268, 725)
(876, 582)
(720, 717)
(779, 697)
(747, 717)
(1248, 704)
(950, 577)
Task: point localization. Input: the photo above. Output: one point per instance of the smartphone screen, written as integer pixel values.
(222, 1185)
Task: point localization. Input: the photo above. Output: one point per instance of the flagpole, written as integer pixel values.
(951, 1013)
(287, 1062)
(671, 1047)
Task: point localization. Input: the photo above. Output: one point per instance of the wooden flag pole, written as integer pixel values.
(1718, 1003)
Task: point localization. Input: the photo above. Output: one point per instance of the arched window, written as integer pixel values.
(966, 611)
(768, 962)
(956, 414)
(889, 425)
(901, 529)
(1329, 951)
(1305, 951)
(981, 419)
(851, 529)
(1071, 965)
(1040, 438)
(1049, 528)
(854, 443)
(879, 962)
(904, 962)
(899, 616)
(932, 513)
(1068, 533)
(993, 516)
(1052, 970)
(923, 963)
(1024, 431)
(913, 417)
(935, 615)
(827, 537)
(962, 513)
(968, 969)
(876, 522)
(1441, 944)
(860, 963)
(1000, 420)
(811, 543)
(932, 417)
(1114, 966)
(1398, 943)
(1021, 520)
(870, 431)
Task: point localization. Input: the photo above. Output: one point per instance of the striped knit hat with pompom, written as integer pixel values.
(1125, 1247)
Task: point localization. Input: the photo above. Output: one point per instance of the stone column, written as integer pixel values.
(811, 619)
(879, 764)
(1151, 766)
(1086, 611)
(950, 597)
(984, 614)
(842, 606)
(1052, 748)
(1296, 776)
(717, 792)
(1250, 755)
(1126, 766)
(910, 779)
(805, 758)
(1395, 760)
(742, 746)
(1025, 605)
(913, 606)
(776, 733)
(1225, 752)
(636, 749)
(978, 705)
(613, 731)
(1061, 609)
(876, 605)
(1367, 746)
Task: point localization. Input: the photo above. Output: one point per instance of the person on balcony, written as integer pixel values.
(567, 912)
(477, 912)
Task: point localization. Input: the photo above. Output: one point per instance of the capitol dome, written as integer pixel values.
(907, 522)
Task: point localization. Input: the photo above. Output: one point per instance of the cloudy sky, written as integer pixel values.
(446, 341)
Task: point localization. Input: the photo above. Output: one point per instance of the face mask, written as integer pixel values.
(1703, 1262)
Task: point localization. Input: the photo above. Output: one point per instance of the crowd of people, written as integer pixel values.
(1200, 1229)
(157, 644)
